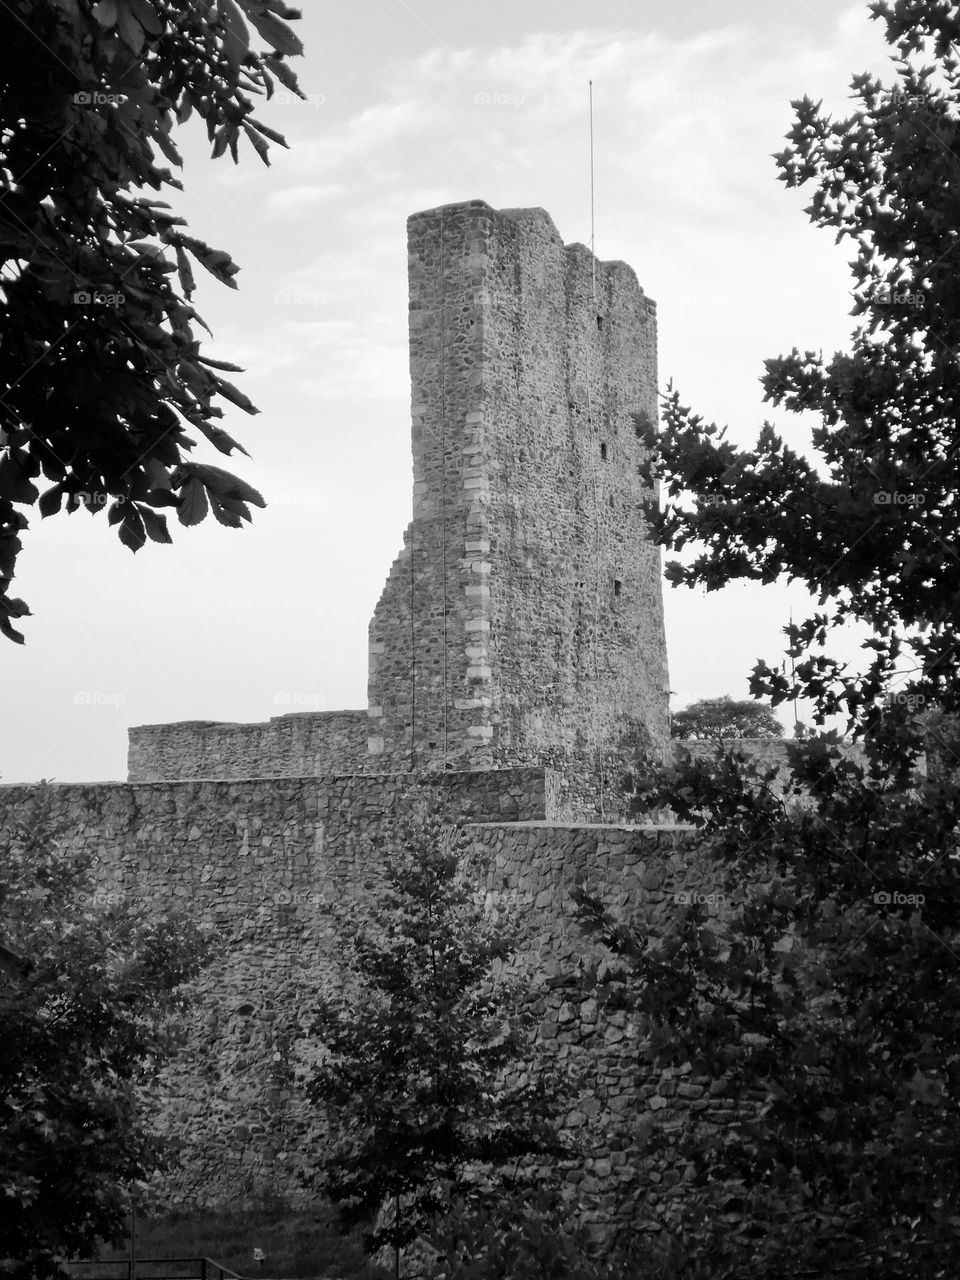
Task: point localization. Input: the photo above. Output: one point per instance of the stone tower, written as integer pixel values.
(522, 623)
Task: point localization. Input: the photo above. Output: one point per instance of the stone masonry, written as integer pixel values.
(517, 667)
(522, 623)
(260, 861)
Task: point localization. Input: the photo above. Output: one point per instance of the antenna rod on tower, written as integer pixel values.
(592, 253)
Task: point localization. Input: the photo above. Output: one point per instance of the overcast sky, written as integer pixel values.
(414, 105)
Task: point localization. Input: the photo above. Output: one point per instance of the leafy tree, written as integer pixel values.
(722, 718)
(89, 996)
(871, 526)
(824, 1000)
(829, 995)
(430, 1080)
(528, 1235)
(101, 374)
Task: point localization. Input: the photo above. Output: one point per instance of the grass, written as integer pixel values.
(298, 1245)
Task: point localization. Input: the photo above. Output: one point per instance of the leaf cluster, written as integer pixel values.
(103, 387)
(871, 525)
(429, 1074)
(821, 1005)
(91, 998)
(723, 718)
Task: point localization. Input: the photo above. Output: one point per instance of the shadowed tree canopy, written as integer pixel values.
(723, 717)
(822, 999)
(430, 1066)
(103, 388)
(871, 524)
(92, 989)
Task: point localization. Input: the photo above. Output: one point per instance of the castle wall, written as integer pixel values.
(523, 621)
(257, 862)
(308, 743)
(261, 861)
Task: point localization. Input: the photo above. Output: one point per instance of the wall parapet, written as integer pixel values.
(297, 745)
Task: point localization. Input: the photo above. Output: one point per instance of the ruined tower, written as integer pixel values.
(522, 622)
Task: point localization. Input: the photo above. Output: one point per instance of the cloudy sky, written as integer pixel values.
(412, 105)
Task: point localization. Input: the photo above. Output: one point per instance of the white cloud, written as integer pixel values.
(292, 199)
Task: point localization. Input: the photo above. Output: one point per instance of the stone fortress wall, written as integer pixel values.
(261, 860)
(517, 662)
(290, 746)
(522, 623)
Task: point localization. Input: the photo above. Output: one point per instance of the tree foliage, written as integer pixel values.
(90, 993)
(826, 991)
(821, 1000)
(870, 525)
(430, 1079)
(723, 717)
(527, 1235)
(103, 387)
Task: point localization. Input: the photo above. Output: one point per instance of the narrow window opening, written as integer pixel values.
(603, 452)
(611, 502)
(617, 586)
(599, 322)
